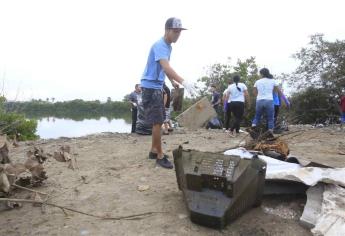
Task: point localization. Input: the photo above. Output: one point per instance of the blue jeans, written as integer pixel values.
(261, 107)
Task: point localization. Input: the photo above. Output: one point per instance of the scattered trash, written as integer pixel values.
(36, 157)
(30, 173)
(142, 188)
(182, 216)
(214, 123)
(4, 150)
(277, 146)
(63, 155)
(325, 202)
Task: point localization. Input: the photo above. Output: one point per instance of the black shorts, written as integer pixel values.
(153, 104)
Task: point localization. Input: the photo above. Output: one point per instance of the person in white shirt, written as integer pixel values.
(263, 90)
(238, 95)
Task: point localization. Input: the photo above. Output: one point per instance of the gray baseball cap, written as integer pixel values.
(174, 23)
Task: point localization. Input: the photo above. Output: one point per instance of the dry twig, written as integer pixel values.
(28, 189)
(63, 208)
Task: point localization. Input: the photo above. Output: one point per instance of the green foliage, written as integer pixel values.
(221, 74)
(218, 75)
(312, 105)
(76, 109)
(322, 65)
(14, 124)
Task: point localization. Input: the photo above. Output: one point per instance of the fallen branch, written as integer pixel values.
(28, 189)
(63, 208)
(77, 185)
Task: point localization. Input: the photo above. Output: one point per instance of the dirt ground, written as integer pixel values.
(111, 167)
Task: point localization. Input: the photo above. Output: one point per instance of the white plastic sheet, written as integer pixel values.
(281, 170)
(331, 220)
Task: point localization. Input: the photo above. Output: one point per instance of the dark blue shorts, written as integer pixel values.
(154, 112)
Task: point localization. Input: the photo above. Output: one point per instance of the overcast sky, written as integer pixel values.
(70, 49)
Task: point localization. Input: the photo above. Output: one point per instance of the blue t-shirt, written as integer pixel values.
(154, 75)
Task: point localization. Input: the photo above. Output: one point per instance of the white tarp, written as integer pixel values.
(331, 220)
(277, 169)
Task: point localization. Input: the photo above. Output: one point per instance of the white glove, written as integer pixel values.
(135, 105)
(190, 87)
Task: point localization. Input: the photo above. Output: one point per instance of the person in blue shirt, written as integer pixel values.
(152, 80)
(277, 101)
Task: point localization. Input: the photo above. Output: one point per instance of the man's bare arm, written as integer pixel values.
(170, 72)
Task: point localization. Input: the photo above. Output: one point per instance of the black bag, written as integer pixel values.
(141, 126)
(214, 123)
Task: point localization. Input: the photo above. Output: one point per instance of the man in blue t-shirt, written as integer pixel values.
(152, 81)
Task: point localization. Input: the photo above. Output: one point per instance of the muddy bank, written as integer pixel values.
(115, 178)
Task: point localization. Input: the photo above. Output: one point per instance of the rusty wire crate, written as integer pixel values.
(218, 188)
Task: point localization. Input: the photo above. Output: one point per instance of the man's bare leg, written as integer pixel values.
(157, 141)
(162, 159)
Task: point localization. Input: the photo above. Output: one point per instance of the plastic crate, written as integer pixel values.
(218, 188)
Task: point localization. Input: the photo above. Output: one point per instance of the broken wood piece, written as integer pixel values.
(197, 115)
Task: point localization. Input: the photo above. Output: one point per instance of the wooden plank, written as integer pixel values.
(197, 115)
